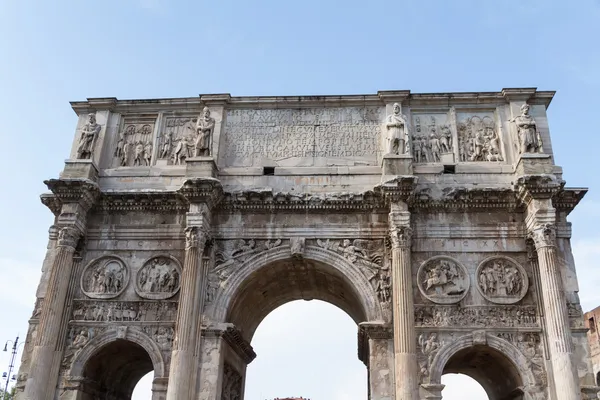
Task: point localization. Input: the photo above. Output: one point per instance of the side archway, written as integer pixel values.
(112, 363)
(272, 278)
(496, 364)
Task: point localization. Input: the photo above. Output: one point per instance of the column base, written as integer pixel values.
(431, 391)
(393, 164)
(80, 169)
(534, 164)
(200, 167)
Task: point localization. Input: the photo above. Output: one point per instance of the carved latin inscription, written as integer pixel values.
(303, 137)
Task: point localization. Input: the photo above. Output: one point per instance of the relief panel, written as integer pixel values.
(105, 278)
(433, 138)
(135, 142)
(159, 278)
(479, 137)
(501, 280)
(443, 280)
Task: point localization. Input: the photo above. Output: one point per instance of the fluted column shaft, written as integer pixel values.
(405, 342)
(184, 358)
(556, 314)
(42, 380)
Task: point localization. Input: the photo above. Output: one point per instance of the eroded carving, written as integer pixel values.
(87, 140)
(68, 236)
(105, 278)
(432, 143)
(397, 132)
(204, 131)
(297, 247)
(527, 342)
(124, 311)
(162, 335)
(476, 316)
(478, 139)
(177, 142)
(134, 147)
(543, 235)
(501, 280)
(443, 280)
(400, 235)
(355, 250)
(429, 345)
(159, 278)
(530, 140)
(232, 383)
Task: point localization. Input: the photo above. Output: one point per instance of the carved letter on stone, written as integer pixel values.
(105, 278)
(159, 278)
(443, 280)
(397, 132)
(530, 140)
(88, 137)
(501, 280)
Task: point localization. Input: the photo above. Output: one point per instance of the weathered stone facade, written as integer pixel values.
(592, 322)
(436, 221)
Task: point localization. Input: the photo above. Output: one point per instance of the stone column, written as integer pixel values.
(558, 332)
(405, 342)
(184, 359)
(42, 377)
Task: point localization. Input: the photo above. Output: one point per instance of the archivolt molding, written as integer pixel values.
(105, 338)
(506, 348)
(224, 298)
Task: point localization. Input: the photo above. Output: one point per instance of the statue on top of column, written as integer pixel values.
(397, 132)
(88, 137)
(204, 130)
(530, 140)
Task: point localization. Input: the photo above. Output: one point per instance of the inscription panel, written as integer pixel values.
(303, 137)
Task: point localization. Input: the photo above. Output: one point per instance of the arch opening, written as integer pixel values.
(462, 387)
(113, 371)
(495, 372)
(279, 282)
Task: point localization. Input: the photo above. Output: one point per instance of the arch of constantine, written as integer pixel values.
(438, 222)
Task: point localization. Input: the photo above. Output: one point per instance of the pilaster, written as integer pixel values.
(376, 350)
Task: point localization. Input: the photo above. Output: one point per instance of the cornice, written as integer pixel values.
(567, 199)
(168, 202)
(538, 187)
(202, 190)
(400, 188)
(82, 191)
(467, 199)
(233, 338)
(51, 201)
(267, 200)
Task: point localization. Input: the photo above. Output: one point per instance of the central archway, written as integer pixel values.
(274, 277)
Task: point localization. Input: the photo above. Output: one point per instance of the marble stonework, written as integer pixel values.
(436, 221)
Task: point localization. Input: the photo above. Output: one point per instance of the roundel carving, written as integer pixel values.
(501, 280)
(159, 278)
(443, 280)
(105, 278)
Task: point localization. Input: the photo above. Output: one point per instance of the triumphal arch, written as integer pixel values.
(438, 222)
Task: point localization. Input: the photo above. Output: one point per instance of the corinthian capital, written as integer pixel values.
(401, 235)
(544, 235)
(195, 237)
(68, 237)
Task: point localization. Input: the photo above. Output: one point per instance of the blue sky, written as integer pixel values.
(53, 52)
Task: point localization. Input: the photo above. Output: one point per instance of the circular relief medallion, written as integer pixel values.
(159, 278)
(501, 280)
(105, 278)
(443, 280)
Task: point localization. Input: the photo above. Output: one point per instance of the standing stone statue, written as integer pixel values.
(89, 133)
(530, 140)
(204, 129)
(397, 134)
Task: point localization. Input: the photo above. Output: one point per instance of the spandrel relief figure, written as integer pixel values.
(397, 132)
(105, 278)
(204, 130)
(87, 140)
(443, 280)
(530, 140)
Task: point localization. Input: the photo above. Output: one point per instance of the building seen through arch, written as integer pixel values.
(437, 222)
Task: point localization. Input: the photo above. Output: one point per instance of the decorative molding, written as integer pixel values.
(371, 330)
(168, 202)
(82, 191)
(467, 199)
(233, 338)
(567, 199)
(202, 190)
(538, 187)
(400, 188)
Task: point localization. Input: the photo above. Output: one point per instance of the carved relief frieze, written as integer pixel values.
(509, 316)
(432, 140)
(528, 342)
(124, 311)
(429, 345)
(232, 383)
(502, 280)
(159, 278)
(178, 140)
(443, 280)
(134, 146)
(162, 335)
(478, 138)
(105, 278)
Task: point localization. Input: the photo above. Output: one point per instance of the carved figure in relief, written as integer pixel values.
(352, 251)
(80, 340)
(88, 137)
(124, 154)
(167, 144)
(530, 140)
(478, 140)
(446, 139)
(429, 347)
(429, 146)
(501, 281)
(397, 133)
(138, 154)
(120, 145)
(434, 145)
(383, 286)
(159, 276)
(204, 130)
(442, 280)
(182, 150)
(147, 153)
(106, 277)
